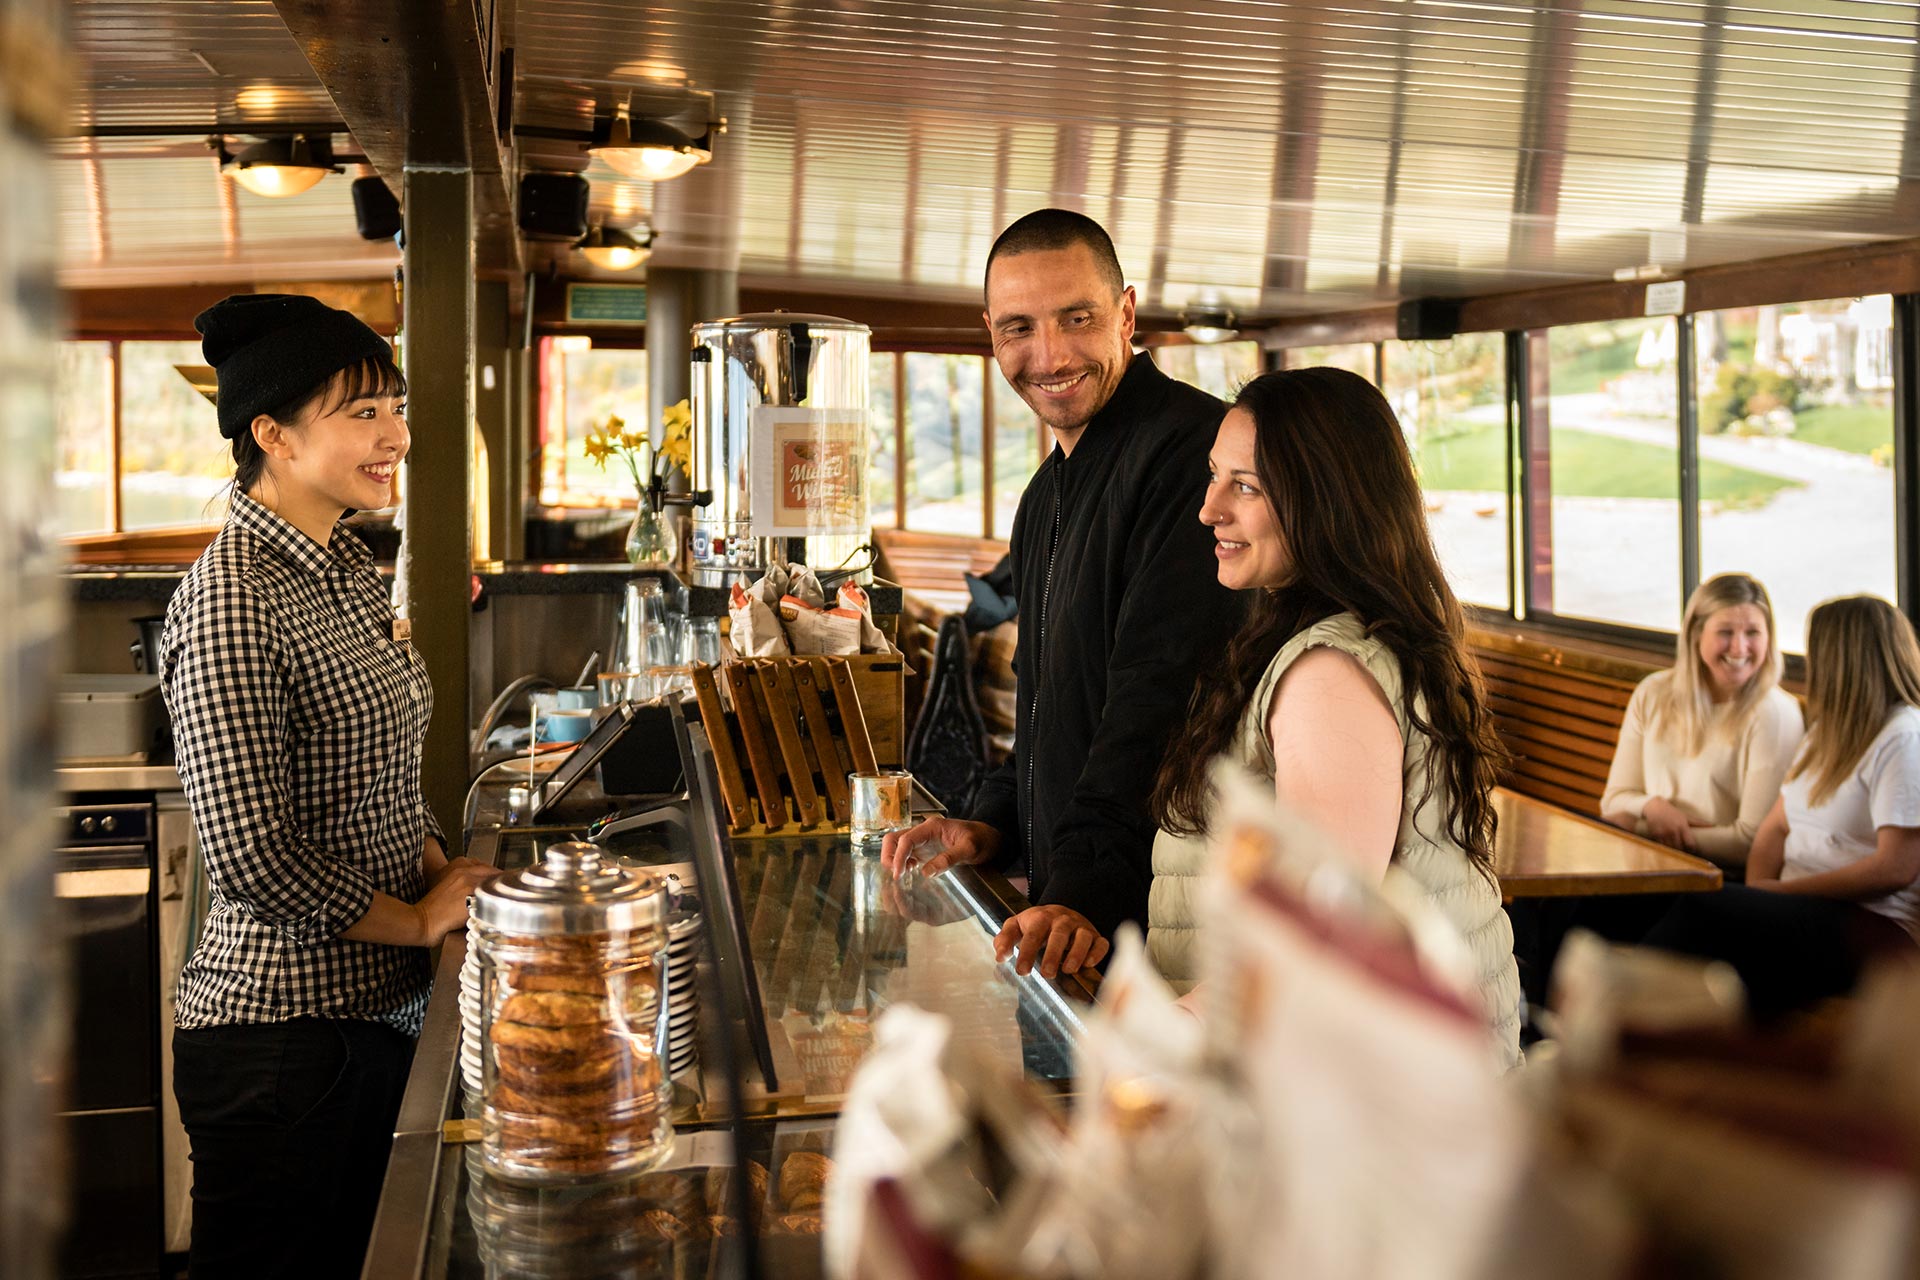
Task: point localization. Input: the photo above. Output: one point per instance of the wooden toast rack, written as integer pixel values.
(786, 735)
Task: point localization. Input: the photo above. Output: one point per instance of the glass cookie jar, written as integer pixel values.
(573, 1019)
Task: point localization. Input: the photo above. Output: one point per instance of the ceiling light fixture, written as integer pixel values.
(1208, 319)
(652, 150)
(282, 166)
(616, 250)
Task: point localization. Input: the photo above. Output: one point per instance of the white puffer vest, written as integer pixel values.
(1423, 849)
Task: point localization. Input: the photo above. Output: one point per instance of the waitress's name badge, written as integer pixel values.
(402, 630)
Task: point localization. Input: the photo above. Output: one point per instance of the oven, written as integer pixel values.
(106, 892)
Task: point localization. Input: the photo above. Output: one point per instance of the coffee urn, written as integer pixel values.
(780, 438)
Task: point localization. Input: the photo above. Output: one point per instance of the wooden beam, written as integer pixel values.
(437, 564)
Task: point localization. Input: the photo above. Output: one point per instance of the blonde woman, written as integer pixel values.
(1834, 875)
(1706, 743)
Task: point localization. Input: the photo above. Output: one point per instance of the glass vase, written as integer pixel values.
(650, 538)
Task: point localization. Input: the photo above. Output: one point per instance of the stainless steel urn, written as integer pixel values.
(780, 438)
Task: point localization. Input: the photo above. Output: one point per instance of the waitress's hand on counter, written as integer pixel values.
(444, 908)
(436, 874)
(1059, 938)
(427, 922)
(942, 843)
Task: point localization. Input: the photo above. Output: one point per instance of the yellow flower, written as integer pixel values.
(677, 419)
(598, 449)
(632, 441)
(678, 450)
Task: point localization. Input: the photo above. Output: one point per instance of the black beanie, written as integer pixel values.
(270, 348)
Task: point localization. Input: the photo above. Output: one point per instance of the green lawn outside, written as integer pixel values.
(1857, 428)
(1587, 464)
(1587, 369)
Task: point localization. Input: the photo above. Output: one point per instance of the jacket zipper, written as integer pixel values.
(1039, 658)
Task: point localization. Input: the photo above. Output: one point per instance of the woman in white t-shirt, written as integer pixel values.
(1834, 876)
(1705, 744)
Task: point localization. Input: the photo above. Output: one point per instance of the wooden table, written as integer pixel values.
(1544, 851)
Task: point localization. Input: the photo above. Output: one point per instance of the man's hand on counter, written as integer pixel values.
(1060, 938)
(942, 842)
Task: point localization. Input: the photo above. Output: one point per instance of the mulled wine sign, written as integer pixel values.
(809, 472)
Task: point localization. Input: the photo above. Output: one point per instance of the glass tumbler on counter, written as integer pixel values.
(573, 1019)
(882, 801)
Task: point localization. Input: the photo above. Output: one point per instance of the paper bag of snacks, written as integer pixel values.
(1380, 1140)
(754, 622)
(787, 611)
(1145, 1139)
(965, 1138)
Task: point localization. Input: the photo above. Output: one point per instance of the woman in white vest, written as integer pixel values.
(1349, 684)
(1706, 744)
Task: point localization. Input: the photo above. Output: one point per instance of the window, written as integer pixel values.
(1799, 400)
(1019, 445)
(85, 474)
(1450, 398)
(944, 443)
(1354, 357)
(139, 448)
(882, 426)
(580, 388)
(1607, 406)
(174, 465)
(1219, 368)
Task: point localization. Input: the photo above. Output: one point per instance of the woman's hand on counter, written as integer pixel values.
(942, 843)
(427, 922)
(1059, 938)
(436, 874)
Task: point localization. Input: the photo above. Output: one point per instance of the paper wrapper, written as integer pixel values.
(854, 597)
(756, 631)
(816, 630)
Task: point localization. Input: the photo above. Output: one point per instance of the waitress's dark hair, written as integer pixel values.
(1335, 469)
(374, 376)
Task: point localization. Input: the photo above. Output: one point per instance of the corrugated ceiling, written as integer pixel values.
(1296, 156)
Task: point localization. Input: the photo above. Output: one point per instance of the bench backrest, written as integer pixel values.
(1559, 711)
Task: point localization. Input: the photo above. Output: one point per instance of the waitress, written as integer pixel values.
(298, 711)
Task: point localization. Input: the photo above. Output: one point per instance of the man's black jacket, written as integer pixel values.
(1119, 605)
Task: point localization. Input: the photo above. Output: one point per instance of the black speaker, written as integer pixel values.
(553, 206)
(1427, 319)
(375, 211)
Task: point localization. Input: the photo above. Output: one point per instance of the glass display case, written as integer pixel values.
(832, 940)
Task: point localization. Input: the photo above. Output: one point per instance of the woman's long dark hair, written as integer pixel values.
(1336, 471)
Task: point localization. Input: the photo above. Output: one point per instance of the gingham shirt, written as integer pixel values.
(297, 723)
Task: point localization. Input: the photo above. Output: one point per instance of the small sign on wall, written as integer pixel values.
(606, 304)
(1668, 298)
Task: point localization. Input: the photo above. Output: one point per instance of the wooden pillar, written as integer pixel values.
(438, 348)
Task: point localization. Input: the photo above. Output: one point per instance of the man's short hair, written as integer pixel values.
(1045, 230)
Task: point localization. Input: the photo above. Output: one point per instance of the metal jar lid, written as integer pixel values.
(572, 890)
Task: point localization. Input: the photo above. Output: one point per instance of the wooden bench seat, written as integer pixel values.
(929, 567)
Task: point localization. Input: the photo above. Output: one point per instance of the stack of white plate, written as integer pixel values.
(470, 1021)
(683, 1013)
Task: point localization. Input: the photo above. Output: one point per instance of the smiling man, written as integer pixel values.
(1119, 601)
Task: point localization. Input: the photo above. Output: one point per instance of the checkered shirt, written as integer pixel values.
(297, 723)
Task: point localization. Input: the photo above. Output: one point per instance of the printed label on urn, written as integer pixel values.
(809, 472)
